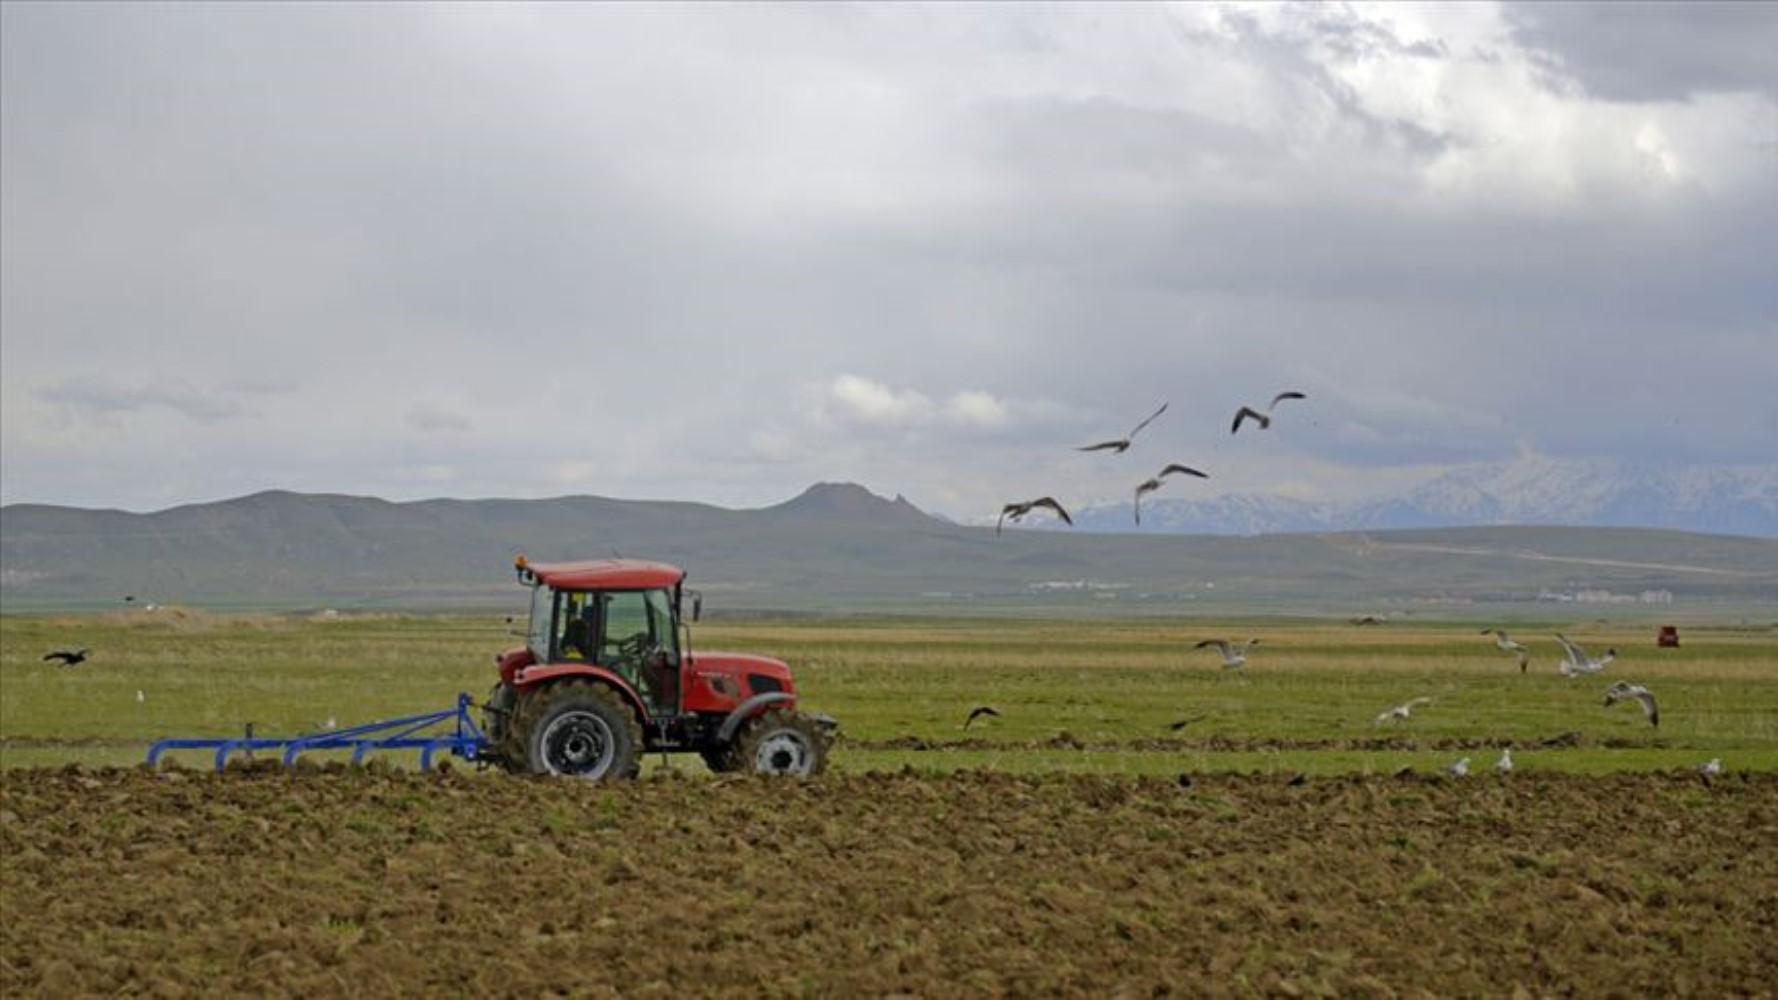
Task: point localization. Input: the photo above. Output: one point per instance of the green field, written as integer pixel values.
(1074, 695)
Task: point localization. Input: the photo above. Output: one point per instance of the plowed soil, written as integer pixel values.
(980, 884)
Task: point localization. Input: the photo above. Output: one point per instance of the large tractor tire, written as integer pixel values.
(579, 729)
(723, 759)
(782, 742)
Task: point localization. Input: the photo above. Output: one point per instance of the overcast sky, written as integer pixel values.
(718, 253)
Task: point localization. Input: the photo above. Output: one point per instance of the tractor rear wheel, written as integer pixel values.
(781, 742)
(500, 722)
(579, 730)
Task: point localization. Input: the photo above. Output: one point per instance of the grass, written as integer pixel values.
(1313, 687)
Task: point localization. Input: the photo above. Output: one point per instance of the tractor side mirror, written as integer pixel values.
(697, 605)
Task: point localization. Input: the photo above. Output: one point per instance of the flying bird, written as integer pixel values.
(1020, 508)
(1402, 710)
(1578, 662)
(1122, 444)
(1154, 484)
(1233, 654)
(1263, 419)
(1368, 620)
(69, 657)
(1621, 690)
(1506, 644)
(1459, 769)
(1505, 764)
(978, 712)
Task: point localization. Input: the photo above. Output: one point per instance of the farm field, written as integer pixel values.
(1074, 695)
(978, 883)
(1075, 844)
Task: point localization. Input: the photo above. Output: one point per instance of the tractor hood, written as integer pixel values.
(744, 666)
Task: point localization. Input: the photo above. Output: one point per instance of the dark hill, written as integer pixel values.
(836, 546)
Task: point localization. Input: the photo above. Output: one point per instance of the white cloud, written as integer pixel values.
(976, 409)
(853, 399)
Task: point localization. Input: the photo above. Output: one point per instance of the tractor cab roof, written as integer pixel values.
(600, 574)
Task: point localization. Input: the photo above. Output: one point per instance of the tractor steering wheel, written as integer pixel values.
(638, 648)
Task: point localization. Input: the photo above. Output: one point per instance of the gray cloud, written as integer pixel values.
(1655, 51)
(108, 397)
(432, 417)
(531, 235)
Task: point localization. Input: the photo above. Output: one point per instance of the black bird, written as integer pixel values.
(1154, 484)
(1182, 723)
(1021, 508)
(1264, 419)
(978, 712)
(69, 657)
(1122, 444)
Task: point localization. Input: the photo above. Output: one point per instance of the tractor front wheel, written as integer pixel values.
(722, 759)
(580, 730)
(781, 742)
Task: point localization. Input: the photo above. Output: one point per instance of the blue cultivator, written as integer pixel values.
(425, 733)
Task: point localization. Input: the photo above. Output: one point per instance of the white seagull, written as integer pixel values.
(1621, 690)
(1578, 662)
(1402, 710)
(1264, 419)
(1505, 764)
(1459, 769)
(1506, 644)
(1122, 444)
(1233, 654)
(1711, 767)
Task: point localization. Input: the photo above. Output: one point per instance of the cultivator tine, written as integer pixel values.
(408, 732)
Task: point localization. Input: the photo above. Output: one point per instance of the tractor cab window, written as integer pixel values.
(640, 644)
(538, 634)
(636, 622)
(577, 625)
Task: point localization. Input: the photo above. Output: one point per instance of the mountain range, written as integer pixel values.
(835, 547)
(1741, 500)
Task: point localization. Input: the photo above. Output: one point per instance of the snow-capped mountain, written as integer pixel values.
(1739, 500)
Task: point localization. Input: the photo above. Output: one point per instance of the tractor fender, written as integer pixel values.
(532, 677)
(747, 710)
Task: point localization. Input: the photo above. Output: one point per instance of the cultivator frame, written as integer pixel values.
(410, 732)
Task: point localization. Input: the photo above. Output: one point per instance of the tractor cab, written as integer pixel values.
(618, 616)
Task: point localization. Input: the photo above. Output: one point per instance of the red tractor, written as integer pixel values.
(606, 674)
